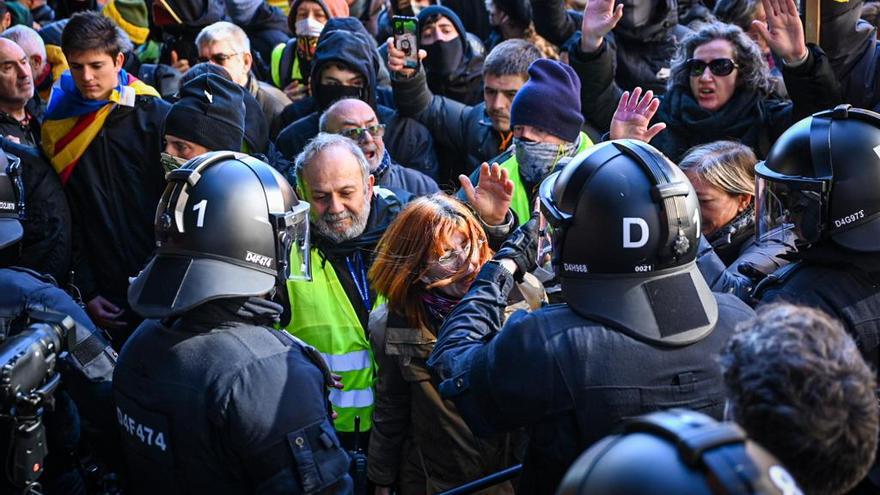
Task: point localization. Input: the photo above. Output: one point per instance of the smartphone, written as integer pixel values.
(406, 39)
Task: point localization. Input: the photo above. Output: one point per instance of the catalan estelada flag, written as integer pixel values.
(71, 121)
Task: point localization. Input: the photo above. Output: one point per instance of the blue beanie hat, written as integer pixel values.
(550, 99)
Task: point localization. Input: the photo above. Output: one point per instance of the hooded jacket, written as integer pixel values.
(332, 8)
(407, 140)
(465, 84)
(853, 50)
(642, 52)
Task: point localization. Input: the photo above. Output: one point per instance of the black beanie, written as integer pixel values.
(209, 112)
(550, 99)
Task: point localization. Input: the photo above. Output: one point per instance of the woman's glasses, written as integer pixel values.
(453, 259)
(719, 67)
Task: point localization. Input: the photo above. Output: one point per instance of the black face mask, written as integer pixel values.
(327, 94)
(443, 57)
(636, 13)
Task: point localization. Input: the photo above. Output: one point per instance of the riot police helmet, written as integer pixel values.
(12, 208)
(228, 225)
(625, 224)
(821, 180)
(675, 452)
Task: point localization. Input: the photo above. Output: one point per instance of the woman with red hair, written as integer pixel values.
(425, 263)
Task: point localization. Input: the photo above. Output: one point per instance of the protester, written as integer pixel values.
(227, 45)
(208, 116)
(357, 121)
(799, 387)
(731, 259)
(19, 113)
(291, 62)
(454, 66)
(480, 132)
(33, 46)
(110, 168)
(424, 264)
(718, 88)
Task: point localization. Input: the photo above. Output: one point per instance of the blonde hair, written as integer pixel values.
(727, 165)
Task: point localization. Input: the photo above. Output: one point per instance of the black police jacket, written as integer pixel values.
(844, 284)
(218, 402)
(567, 379)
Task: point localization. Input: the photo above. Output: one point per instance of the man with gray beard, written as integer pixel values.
(348, 216)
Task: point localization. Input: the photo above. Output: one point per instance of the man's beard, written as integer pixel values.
(324, 225)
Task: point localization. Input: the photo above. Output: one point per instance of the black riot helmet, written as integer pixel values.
(677, 452)
(822, 180)
(228, 225)
(12, 210)
(625, 223)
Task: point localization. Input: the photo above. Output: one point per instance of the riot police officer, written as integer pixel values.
(86, 369)
(640, 329)
(210, 397)
(674, 452)
(822, 180)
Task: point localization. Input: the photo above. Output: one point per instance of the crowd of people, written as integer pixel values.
(557, 246)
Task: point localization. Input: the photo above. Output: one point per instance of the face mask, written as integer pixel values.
(536, 160)
(443, 57)
(327, 94)
(308, 27)
(171, 162)
(636, 14)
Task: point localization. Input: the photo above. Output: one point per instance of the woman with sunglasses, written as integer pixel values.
(718, 88)
(425, 263)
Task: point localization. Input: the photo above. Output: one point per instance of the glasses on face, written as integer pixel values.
(719, 67)
(360, 133)
(453, 259)
(219, 58)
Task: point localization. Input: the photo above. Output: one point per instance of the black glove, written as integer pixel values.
(751, 271)
(522, 248)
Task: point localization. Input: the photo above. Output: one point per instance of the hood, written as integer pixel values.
(343, 43)
(845, 36)
(332, 8)
(452, 16)
(661, 19)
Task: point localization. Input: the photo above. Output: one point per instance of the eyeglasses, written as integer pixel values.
(719, 67)
(360, 133)
(453, 259)
(219, 58)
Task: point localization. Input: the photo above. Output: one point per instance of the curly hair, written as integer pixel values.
(799, 386)
(753, 71)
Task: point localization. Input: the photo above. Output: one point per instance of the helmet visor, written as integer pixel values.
(293, 239)
(788, 206)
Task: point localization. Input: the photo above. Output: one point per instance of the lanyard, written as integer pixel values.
(359, 274)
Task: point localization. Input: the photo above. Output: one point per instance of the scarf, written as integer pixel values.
(439, 306)
(72, 121)
(727, 241)
(382, 168)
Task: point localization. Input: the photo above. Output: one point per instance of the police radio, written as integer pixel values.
(28, 378)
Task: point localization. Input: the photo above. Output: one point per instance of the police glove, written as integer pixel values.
(522, 248)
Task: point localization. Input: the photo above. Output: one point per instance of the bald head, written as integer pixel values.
(32, 44)
(16, 83)
(352, 113)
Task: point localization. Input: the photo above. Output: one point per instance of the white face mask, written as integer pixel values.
(308, 27)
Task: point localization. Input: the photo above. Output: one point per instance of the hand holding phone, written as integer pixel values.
(406, 39)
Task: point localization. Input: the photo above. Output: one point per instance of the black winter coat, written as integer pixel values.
(218, 401)
(749, 117)
(113, 193)
(854, 52)
(46, 245)
(567, 379)
(453, 124)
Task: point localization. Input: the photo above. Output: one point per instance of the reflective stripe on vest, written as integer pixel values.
(276, 64)
(520, 201)
(322, 316)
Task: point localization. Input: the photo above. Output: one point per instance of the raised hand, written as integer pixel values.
(633, 114)
(396, 59)
(600, 17)
(784, 31)
(491, 198)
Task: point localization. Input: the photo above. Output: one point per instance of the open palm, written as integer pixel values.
(600, 17)
(633, 115)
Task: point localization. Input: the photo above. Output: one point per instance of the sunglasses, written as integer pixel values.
(219, 58)
(359, 133)
(719, 67)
